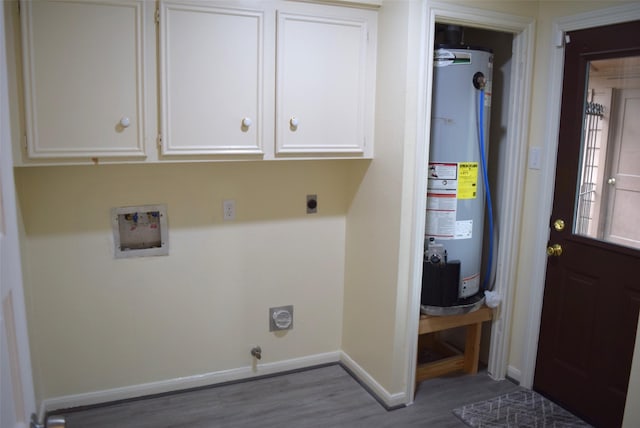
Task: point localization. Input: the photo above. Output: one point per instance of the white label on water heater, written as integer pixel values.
(442, 200)
(464, 229)
(441, 218)
(446, 202)
(443, 171)
(441, 214)
(448, 183)
(441, 224)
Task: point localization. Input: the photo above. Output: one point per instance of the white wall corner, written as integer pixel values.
(188, 382)
(511, 209)
(16, 377)
(390, 400)
(419, 76)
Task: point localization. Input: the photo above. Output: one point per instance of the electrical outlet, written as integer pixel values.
(229, 209)
(281, 318)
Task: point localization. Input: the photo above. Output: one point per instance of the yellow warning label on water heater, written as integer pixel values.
(467, 180)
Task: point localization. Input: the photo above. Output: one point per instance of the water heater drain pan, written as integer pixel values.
(475, 303)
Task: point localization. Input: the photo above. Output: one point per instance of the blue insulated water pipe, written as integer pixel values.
(485, 178)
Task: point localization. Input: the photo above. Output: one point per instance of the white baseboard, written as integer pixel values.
(177, 384)
(389, 400)
(514, 373)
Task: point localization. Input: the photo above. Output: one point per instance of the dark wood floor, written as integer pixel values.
(321, 397)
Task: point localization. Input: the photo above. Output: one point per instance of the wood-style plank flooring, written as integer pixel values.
(321, 397)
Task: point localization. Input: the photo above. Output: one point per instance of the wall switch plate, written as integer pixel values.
(312, 204)
(281, 318)
(229, 209)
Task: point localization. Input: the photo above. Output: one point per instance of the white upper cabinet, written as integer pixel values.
(325, 81)
(226, 79)
(84, 78)
(232, 82)
(211, 79)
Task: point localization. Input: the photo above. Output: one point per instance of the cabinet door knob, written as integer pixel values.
(293, 123)
(125, 122)
(247, 122)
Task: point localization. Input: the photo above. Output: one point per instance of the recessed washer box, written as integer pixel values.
(140, 231)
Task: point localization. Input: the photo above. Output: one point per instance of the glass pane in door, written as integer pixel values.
(608, 197)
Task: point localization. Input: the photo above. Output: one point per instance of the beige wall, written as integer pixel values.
(97, 323)
(94, 321)
(373, 221)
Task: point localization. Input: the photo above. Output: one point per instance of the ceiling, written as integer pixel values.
(616, 68)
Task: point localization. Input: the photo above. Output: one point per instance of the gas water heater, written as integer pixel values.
(454, 230)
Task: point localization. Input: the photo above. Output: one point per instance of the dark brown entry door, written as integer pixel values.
(592, 289)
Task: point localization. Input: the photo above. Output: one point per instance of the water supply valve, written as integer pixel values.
(256, 352)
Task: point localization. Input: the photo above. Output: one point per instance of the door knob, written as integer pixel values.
(558, 225)
(612, 180)
(554, 250)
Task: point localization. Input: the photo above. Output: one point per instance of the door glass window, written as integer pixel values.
(608, 198)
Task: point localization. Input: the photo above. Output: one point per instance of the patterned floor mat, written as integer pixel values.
(522, 409)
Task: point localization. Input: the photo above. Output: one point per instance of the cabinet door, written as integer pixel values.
(84, 86)
(211, 79)
(325, 83)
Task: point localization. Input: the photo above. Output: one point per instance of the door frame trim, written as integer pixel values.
(13, 313)
(523, 30)
(608, 16)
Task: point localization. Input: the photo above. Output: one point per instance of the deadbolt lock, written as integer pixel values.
(558, 225)
(554, 250)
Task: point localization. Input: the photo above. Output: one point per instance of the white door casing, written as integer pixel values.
(16, 384)
(522, 29)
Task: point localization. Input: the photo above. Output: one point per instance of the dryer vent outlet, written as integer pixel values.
(312, 204)
(281, 318)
